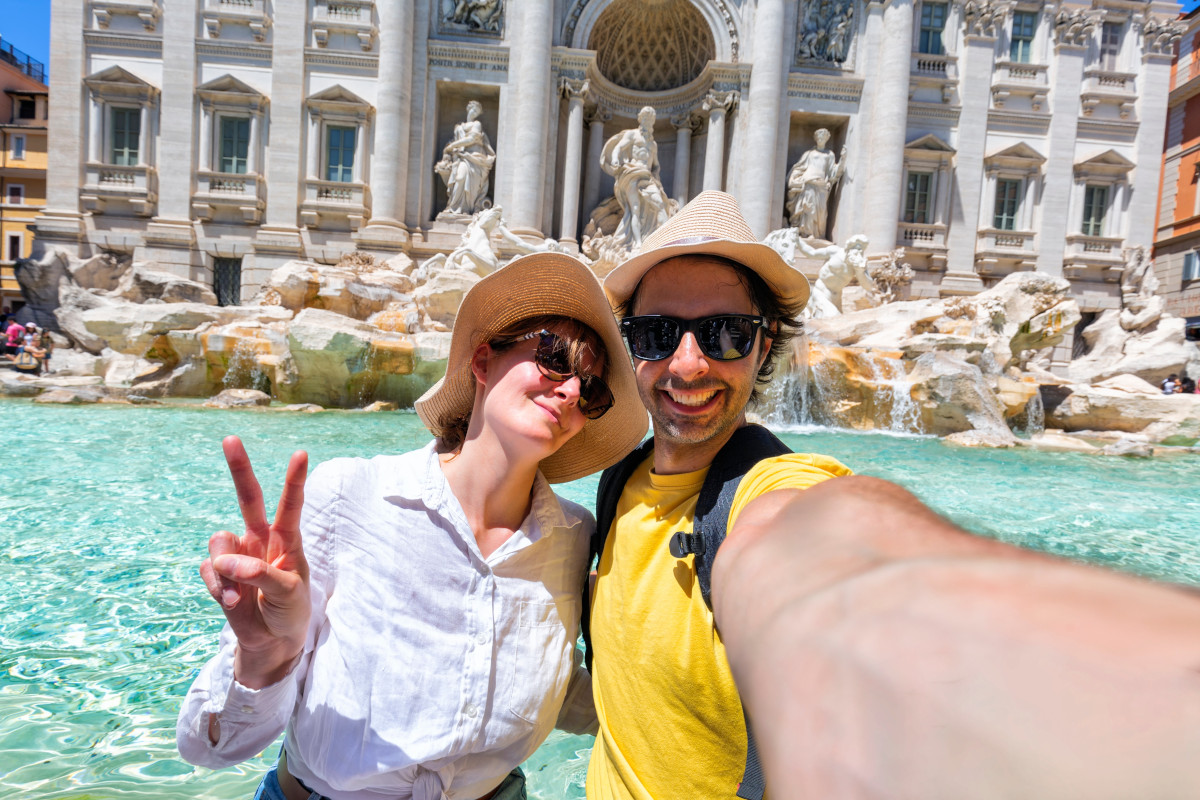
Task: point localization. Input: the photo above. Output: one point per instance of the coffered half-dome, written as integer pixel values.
(651, 45)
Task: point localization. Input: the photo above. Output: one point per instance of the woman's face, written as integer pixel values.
(521, 404)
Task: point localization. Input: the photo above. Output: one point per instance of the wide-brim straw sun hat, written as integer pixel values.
(531, 286)
(710, 224)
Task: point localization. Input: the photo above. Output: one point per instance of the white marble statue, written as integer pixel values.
(843, 266)
(466, 165)
(524, 247)
(479, 15)
(809, 184)
(475, 251)
(631, 157)
(1141, 304)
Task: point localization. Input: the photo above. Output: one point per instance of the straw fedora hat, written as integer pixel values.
(710, 224)
(530, 286)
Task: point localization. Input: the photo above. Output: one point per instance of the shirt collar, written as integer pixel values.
(423, 479)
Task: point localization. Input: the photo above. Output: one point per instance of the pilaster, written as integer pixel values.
(169, 239)
(61, 224)
(1073, 32)
(279, 238)
(386, 230)
(533, 91)
(888, 125)
(761, 183)
(983, 19)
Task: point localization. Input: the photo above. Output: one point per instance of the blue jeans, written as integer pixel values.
(269, 789)
(512, 788)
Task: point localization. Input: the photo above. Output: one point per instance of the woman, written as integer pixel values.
(421, 641)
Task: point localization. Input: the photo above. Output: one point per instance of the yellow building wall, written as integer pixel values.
(17, 219)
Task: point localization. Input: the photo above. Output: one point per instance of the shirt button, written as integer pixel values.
(471, 710)
(482, 638)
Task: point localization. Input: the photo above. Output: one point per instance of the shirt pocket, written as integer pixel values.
(538, 664)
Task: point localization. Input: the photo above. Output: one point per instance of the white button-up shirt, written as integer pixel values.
(428, 670)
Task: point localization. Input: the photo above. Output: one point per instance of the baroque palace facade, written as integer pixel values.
(222, 138)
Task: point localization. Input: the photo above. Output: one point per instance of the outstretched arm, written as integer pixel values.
(883, 652)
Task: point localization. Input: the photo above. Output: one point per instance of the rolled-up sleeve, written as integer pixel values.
(250, 719)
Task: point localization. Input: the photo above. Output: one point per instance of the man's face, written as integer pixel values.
(696, 401)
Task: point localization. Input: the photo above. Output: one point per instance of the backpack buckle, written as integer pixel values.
(682, 544)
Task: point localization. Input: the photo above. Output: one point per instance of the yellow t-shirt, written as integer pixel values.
(671, 722)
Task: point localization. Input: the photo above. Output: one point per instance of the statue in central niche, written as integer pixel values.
(809, 184)
(466, 165)
(631, 157)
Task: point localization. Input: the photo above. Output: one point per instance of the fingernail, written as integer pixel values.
(229, 597)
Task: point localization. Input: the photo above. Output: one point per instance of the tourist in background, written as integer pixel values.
(1171, 384)
(1187, 385)
(410, 621)
(12, 336)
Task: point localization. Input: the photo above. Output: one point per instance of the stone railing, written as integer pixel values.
(1093, 247)
(1019, 73)
(921, 235)
(215, 190)
(934, 66)
(331, 198)
(122, 180)
(137, 185)
(1119, 83)
(993, 239)
(354, 17)
(252, 13)
(148, 11)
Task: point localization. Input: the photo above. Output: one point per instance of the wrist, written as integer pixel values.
(257, 669)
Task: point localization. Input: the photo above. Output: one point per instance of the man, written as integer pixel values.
(707, 310)
(881, 651)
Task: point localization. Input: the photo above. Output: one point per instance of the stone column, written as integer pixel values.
(761, 180)
(61, 223)
(386, 229)
(983, 22)
(574, 92)
(278, 239)
(1072, 35)
(683, 156)
(96, 131)
(169, 239)
(312, 165)
(883, 170)
(717, 105)
(144, 134)
(534, 34)
(207, 118)
(1157, 40)
(255, 142)
(591, 173)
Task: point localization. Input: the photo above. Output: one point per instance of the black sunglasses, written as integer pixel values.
(724, 337)
(553, 361)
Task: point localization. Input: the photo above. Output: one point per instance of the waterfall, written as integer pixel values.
(1034, 417)
(841, 387)
(244, 371)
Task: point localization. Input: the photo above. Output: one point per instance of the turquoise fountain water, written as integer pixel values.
(107, 510)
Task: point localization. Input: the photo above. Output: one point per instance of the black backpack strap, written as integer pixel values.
(749, 445)
(612, 483)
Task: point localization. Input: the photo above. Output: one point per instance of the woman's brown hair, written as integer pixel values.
(581, 340)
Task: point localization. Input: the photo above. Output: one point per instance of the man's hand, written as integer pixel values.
(883, 652)
(261, 578)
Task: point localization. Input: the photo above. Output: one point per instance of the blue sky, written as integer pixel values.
(26, 25)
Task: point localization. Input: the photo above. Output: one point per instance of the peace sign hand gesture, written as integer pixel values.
(261, 579)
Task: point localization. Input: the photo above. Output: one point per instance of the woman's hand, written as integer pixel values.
(261, 579)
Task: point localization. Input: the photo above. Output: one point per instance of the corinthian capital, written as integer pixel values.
(722, 101)
(985, 18)
(573, 89)
(1075, 28)
(1161, 35)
